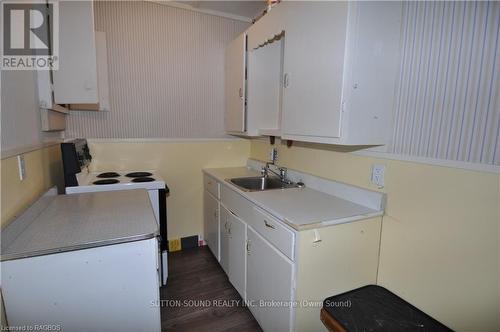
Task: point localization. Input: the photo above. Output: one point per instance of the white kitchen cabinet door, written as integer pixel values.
(235, 88)
(371, 71)
(102, 70)
(237, 253)
(340, 67)
(265, 89)
(313, 68)
(75, 82)
(225, 224)
(71, 288)
(211, 223)
(267, 27)
(269, 278)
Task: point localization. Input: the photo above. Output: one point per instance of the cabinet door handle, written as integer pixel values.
(286, 80)
(209, 183)
(240, 93)
(215, 214)
(268, 224)
(248, 247)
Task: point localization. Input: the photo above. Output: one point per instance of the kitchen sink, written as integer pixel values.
(260, 183)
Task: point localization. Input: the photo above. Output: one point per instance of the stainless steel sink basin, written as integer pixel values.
(259, 183)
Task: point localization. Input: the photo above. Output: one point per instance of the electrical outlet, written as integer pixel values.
(174, 245)
(378, 174)
(21, 167)
(201, 242)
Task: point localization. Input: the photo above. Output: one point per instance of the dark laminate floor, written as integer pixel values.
(195, 281)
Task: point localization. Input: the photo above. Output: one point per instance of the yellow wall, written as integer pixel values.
(440, 235)
(43, 170)
(180, 164)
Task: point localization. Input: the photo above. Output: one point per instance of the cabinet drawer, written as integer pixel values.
(238, 204)
(274, 231)
(211, 185)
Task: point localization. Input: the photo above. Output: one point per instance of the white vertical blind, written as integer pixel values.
(448, 99)
(166, 73)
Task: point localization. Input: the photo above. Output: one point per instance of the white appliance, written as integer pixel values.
(78, 179)
(83, 262)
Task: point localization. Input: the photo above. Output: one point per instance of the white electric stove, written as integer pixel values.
(77, 161)
(121, 180)
(117, 180)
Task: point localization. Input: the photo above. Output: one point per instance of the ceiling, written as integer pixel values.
(248, 9)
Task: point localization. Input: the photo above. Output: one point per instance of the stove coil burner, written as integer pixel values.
(138, 174)
(106, 181)
(143, 179)
(108, 175)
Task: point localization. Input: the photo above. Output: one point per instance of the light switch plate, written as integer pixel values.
(21, 167)
(378, 175)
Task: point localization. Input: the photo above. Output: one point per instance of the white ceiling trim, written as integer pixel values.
(203, 11)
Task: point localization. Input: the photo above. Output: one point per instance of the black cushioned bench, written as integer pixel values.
(374, 308)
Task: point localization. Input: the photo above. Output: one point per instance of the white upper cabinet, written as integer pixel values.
(265, 65)
(253, 105)
(336, 74)
(78, 79)
(235, 85)
(102, 70)
(371, 72)
(253, 87)
(266, 28)
(341, 63)
(313, 65)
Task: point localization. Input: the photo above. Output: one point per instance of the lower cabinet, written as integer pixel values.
(269, 284)
(284, 274)
(224, 239)
(211, 222)
(237, 255)
(232, 249)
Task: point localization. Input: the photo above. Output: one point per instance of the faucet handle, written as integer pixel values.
(283, 171)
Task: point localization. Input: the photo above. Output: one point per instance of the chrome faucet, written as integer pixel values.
(264, 172)
(282, 172)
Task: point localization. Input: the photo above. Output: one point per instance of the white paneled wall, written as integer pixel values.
(21, 124)
(166, 73)
(448, 103)
(166, 77)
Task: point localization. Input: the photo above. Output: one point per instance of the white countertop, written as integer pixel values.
(300, 208)
(70, 222)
